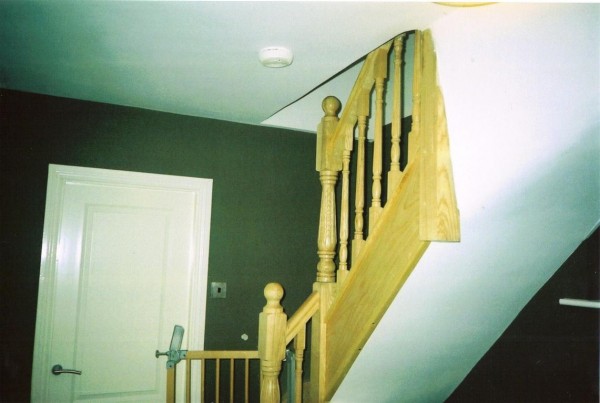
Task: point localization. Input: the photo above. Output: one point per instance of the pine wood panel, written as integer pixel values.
(439, 214)
(387, 259)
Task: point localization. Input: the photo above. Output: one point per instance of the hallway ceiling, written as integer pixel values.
(193, 58)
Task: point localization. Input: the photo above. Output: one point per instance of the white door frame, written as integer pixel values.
(58, 177)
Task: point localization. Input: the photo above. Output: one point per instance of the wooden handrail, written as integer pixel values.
(306, 311)
(373, 64)
(221, 354)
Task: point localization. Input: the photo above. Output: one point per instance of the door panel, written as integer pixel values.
(125, 259)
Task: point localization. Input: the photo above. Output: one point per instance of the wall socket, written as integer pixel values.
(218, 290)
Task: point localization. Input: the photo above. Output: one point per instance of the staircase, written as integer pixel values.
(352, 292)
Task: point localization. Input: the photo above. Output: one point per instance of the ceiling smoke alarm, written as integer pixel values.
(275, 56)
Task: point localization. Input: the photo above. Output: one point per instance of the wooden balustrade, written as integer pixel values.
(215, 357)
(422, 204)
(420, 207)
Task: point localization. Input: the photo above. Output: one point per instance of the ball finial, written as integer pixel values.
(331, 106)
(273, 294)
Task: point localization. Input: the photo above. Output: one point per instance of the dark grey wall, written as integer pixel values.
(264, 217)
(549, 353)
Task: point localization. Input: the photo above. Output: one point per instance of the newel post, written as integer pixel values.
(272, 323)
(329, 164)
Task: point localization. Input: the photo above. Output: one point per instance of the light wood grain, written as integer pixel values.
(414, 135)
(328, 167)
(301, 317)
(272, 324)
(439, 217)
(364, 84)
(171, 391)
(388, 257)
(221, 354)
(329, 153)
(299, 347)
(327, 237)
(395, 174)
(318, 346)
(345, 210)
(380, 73)
(359, 202)
(217, 356)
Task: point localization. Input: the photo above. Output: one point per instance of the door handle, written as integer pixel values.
(58, 369)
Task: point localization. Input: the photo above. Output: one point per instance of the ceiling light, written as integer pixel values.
(275, 56)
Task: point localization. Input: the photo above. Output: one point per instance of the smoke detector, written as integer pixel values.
(275, 56)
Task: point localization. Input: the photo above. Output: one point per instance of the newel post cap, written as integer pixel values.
(331, 106)
(273, 294)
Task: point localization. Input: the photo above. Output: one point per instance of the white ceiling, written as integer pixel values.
(521, 84)
(192, 58)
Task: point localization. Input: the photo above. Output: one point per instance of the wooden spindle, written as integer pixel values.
(299, 347)
(380, 69)
(359, 202)
(218, 380)
(376, 208)
(231, 378)
(345, 207)
(188, 381)
(202, 379)
(272, 324)
(171, 376)
(395, 174)
(246, 380)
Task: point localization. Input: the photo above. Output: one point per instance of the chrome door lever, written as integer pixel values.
(58, 369)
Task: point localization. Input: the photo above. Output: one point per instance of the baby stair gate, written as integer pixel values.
(420, 207)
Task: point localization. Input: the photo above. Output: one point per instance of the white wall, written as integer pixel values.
(521, 86)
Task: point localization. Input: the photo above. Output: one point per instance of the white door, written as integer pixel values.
(124, 259)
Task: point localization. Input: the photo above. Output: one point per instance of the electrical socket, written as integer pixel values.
(218, 290)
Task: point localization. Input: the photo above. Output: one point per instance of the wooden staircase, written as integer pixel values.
(347, 304)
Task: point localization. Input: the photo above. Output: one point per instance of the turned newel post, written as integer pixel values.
(327, 229)
(330, 150)
(272, 324)
(328, 164)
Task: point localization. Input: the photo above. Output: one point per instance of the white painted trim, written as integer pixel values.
(582, 303)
